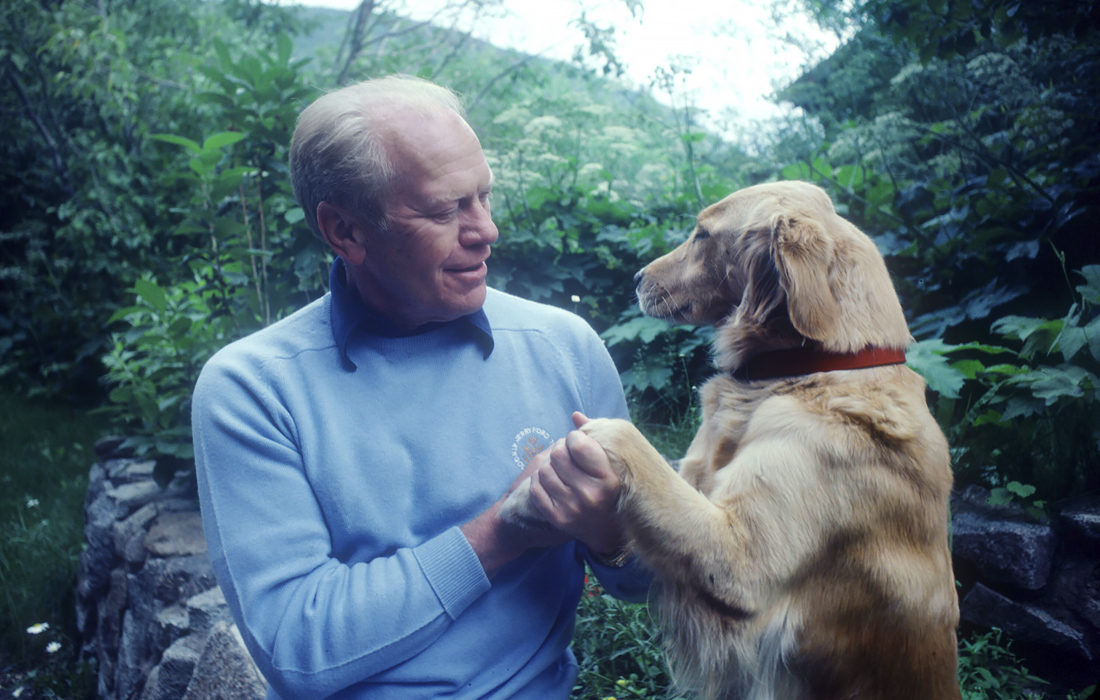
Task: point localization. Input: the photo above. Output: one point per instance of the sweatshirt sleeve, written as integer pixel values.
(314, 624)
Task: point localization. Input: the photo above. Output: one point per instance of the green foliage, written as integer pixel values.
(82, 216)
(235, 234)
(45, 452)
(1015, 492)
(155, 364)
(586, 198)
(988, 670)
(617, 650)
(1029, 415)
(974, 165)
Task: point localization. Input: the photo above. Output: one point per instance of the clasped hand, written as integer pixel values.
(576, 490)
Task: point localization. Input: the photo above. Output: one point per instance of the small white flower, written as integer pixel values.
(32, 502)
(17, 692)
(576, 299)
(38, 628)
(53, 647)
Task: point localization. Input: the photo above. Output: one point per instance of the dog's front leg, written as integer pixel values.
(675, 529)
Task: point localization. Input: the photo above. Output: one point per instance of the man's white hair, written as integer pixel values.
(337, 154)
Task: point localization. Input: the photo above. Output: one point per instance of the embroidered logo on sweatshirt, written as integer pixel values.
(528, 443)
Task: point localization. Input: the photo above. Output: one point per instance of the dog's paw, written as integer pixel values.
(615, 435)
(518, 509)
(627, 449)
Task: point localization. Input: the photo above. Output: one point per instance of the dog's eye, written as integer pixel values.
(701, 234)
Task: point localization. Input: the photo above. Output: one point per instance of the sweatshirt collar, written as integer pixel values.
(349, 314)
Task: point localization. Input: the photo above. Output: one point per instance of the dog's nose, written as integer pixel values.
(638, 277)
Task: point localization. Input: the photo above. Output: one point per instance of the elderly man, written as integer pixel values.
(352, 458)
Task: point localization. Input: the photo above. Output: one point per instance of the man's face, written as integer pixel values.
(430, 264)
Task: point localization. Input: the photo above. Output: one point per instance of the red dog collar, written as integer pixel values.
(798, 361)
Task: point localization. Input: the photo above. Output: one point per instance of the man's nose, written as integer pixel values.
(480, 229)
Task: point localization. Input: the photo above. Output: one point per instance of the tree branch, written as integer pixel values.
(55, 152)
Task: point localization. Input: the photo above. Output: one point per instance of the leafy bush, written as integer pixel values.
(988, 670)
(153, 368)
(237, 233)
(617, 649)
(1030, 416)
(85, 211)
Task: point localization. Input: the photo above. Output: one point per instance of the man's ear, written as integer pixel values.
(343, 231)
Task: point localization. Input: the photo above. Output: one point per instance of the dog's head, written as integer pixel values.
(773, 266)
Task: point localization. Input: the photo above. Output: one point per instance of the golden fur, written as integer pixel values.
(802, 549)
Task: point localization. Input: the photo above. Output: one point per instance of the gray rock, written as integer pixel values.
(108, 447)
(226, 671)
(208, 608)
(131, 496)
(175, 534)
(130, 471)
(176, 579)
(1005, 551)
(98, 558)
(135, 658)
(123, 533)
(1083, 519)
(172, 623)
(1024, 623)
(110, 612)
(169, 680)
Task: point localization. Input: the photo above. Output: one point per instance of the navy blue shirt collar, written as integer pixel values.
(350, 314)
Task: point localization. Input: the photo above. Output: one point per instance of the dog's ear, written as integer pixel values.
(762, 294)
(804, 257)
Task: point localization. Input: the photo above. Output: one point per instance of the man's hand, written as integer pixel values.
(497, 542)
(577, 490)
(574, 487)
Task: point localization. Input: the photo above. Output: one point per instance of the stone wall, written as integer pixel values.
(1036, 579)
(151, 613)
(149, 609)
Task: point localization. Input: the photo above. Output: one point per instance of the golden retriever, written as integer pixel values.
(802, 549)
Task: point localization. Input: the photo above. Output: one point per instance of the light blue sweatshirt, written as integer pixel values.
(335, 466)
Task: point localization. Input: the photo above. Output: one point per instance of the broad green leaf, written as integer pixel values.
(1090, 290)
(222, 139)
(178, 141)
(151, 293)
(124, 312)
(200, 168)
(1053, 383)
(1021, 490)
(926, 358)
(642, 327)
(180, 327)
(999, 496)
(284, 46)
(1070, 341)
(1092, 332)
(969, 368)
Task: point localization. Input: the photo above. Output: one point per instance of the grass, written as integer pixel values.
(45, 453)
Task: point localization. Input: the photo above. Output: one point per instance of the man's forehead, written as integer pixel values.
(437, 156)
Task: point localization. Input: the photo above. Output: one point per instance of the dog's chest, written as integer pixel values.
(728, 409)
